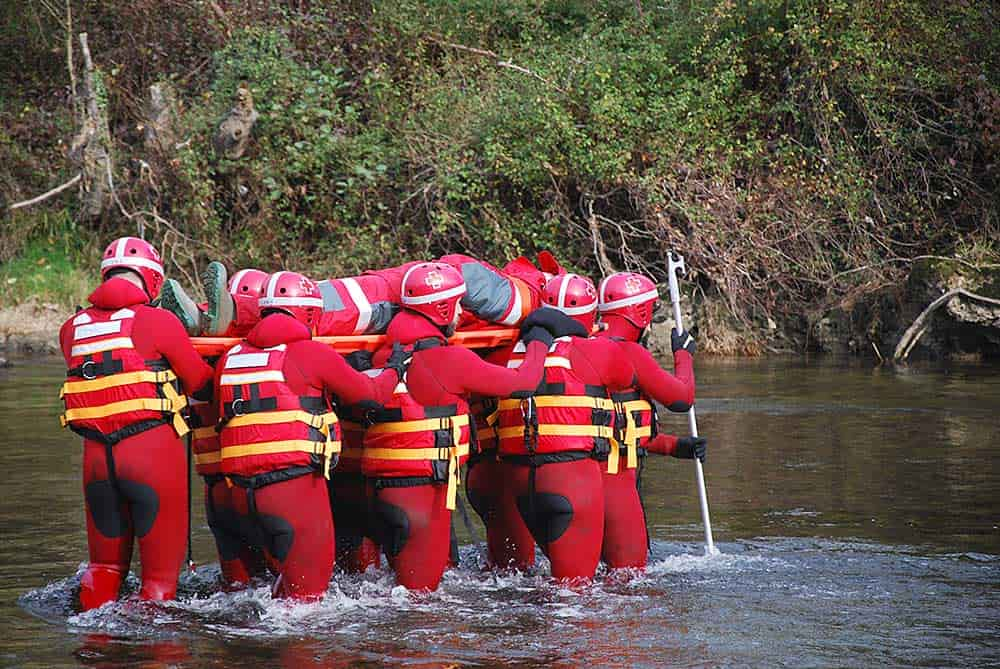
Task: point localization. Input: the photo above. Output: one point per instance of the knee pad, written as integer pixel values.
(106, 509)
(483, 505)
(224, 524)
(548, 515)
(145, 505)
(279, 535)
(392, 527)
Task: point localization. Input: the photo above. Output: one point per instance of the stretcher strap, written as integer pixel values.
(450, 453)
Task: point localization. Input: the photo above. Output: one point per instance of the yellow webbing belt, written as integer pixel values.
(172, 401)
(209, 458)
(323, 448)
(633, 434)
(422, 425)
(204, 432)
(561, 401)
(554, 430)
(454, 453)
(321, 422)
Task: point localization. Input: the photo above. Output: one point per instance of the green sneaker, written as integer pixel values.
(176, 301)
(221, 309)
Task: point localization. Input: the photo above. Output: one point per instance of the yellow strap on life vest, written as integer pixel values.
(420, 425)
(204, 432)
(561, 401)
(454, 453)
(559, 430)
(324, 448)
(633, 434)
(209, 458)
(488, 432)
(116, 380)
(321, 422)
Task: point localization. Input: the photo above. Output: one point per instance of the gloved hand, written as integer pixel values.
(536, 333)
(682, 340)
(359, 360)
(556, 322)
(690, 448)
(399, 359)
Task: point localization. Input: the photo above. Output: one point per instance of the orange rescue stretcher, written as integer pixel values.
(493, 338)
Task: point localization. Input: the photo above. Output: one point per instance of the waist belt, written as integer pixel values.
(321, 422)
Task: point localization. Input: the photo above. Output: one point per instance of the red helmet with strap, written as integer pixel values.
(433, 289)
(137, 255)
(573, 295)
(248, 284)
(296, 295)
(629, 295)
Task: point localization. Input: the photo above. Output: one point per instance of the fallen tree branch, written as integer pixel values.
(917, 328)
(498, 60)
(44, 196)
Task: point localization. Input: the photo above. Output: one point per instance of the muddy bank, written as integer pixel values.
(31, 328)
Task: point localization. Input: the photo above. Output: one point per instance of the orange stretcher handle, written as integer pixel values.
(211, 346)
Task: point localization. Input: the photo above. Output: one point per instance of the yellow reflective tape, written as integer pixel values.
(637, 405)
(114, 408)
(421, 425)
(207, 458)
(287, 446)
(115, 380)
(251, 377)
(550, 361)
(101, 346)
(613, 457)
(552, 430)
(204, 432)
(273, 417)
(561, 401)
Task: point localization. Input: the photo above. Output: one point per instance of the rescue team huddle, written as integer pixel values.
(311, 459)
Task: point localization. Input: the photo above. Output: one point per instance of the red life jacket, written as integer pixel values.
(485, 415)
(407, 439)
(635, 424)
(265, 425)
(352, 425)
(111, 392)
(563, 414)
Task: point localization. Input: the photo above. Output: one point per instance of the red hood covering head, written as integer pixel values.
(116, 293)
(277, 329)
(407, 327)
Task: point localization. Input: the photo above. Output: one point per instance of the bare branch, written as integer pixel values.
(44, 196)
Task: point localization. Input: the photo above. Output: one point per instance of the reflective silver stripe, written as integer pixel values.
(96, 330)
(81, 319)
(244, 360)
(98, 346)
(514, 315)
(361, 302)
(290, 302)
(629, 301)
(122, 314)
(251, 377)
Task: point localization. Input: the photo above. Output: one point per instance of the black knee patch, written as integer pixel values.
(392, 527)
(548, 515)
(453, 543)
(225, 526)
(485, 507)
(279, 535)
(145, 505)
(106, 509)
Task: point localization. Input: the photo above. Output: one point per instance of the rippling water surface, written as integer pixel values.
(857, 512)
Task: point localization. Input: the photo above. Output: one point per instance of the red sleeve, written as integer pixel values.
(675, 391)
(327, 369)
(171, 341)
(663, 444)
(65, 339)
(467, 373)
(613, 368)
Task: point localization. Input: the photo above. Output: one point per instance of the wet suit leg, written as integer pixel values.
(510, 543)
(625, 541)
(109, 531)
(566, 516)
(151, 469)
(349, 502)
(413, 527)
(297, 529)
(239, 560)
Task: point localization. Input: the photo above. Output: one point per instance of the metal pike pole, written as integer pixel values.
(675, 264)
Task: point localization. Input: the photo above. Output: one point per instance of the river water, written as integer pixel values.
(856, 511)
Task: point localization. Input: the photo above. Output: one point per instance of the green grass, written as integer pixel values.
(48, 267)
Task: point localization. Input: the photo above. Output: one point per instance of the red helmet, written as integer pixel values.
(433, 289)
(140, 257)
(296, 295)
(573, 295)
(630, 295)
(247, 284)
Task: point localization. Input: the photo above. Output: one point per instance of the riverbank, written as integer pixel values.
(31, 328)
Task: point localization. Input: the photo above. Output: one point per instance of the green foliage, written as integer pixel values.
(47, 267)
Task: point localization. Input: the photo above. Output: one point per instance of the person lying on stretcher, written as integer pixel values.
(365, 304)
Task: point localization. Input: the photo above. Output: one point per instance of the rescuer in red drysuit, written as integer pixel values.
(416, 442)
(550, 441)
(626, 301)
(125, 359)
(238, 560)
(280, 436)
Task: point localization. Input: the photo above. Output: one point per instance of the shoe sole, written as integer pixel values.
(176, 301)
(220, 312)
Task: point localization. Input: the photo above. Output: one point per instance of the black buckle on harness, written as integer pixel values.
(236, 407)
(530, 416)
(87, 370)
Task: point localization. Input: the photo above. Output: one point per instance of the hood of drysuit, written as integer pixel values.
(277, 329)
(116, 293)
(620, 327)
(408, 327)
